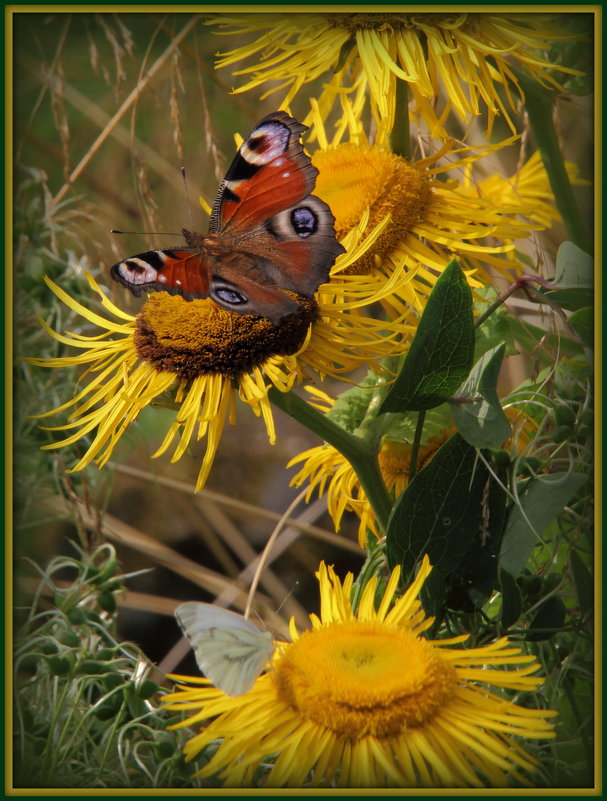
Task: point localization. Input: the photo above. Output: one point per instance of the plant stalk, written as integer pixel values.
(359, 453)
(538, 105)
(400, 138)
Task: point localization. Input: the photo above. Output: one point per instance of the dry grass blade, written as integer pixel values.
(115, 530)
(117, 49)
(241, 507)
(174, 108)
(264, 557)
(96, 114)
(126, 535)
(57, 86)
(241, 547)
(126, 105)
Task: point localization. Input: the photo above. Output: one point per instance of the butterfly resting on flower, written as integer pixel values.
(229, 649)
(268, 235)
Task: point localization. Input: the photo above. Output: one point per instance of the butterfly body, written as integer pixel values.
(230, 650)
(268, 234)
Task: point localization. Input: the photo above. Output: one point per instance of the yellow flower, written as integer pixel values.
(412, 220)
(204, 356)
(363, 699)
(470, 55)
(411, 217)
(529, 186)
(327, 470)
(324, 465)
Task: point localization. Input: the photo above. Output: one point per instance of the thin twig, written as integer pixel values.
(125, 107)
(240, 506)
(266, 551)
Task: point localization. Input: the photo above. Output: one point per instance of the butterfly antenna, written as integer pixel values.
(287, 596)
(187, 197)
(145, 233)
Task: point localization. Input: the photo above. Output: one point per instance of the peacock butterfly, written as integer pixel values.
(267, 233)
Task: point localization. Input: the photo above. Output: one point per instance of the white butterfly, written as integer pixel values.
(230, 650)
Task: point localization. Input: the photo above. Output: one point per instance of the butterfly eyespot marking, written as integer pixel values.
(267, 233)
(230, 296)
(304, 221)
(266, 143)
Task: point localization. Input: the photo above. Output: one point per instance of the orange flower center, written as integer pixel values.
(364, 678)
(395, 459)
(192, 338)
(353, 179)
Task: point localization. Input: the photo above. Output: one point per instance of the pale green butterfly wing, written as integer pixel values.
(230, 650)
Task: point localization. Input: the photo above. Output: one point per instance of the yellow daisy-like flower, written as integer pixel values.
(470, 55)
(363, 699)
(418, 222)
(205, 356)
(327, 470)
(420, 214)
(529, 186)
(324, 465)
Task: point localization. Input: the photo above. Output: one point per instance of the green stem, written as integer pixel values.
(416, 443)
(538, 104)
(376, 560)
(400, 138)
(357, 451)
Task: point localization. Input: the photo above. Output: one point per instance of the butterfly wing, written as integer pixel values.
(177, 271)
(267, 233)
(191, 274)
(230, 650)
(265, 202)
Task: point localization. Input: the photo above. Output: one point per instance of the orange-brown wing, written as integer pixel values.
(177, 271)
(269, 173)
(265, 202)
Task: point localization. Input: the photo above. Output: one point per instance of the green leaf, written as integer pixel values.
(482, 423)
(441, 353)
(440, 512)
(548, 621)
(574, 277)
(512, 601)
(574, 267)
(577, 53)
(582, 322)
(528, 335)
(473, 580)
(542, 501)
(352, 406)
(498, 327)
(584, 585)
(571, 299)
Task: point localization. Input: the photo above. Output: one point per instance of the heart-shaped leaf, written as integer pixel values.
(440, 512)
(442, 350)
(482, 422)
(542, 501)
